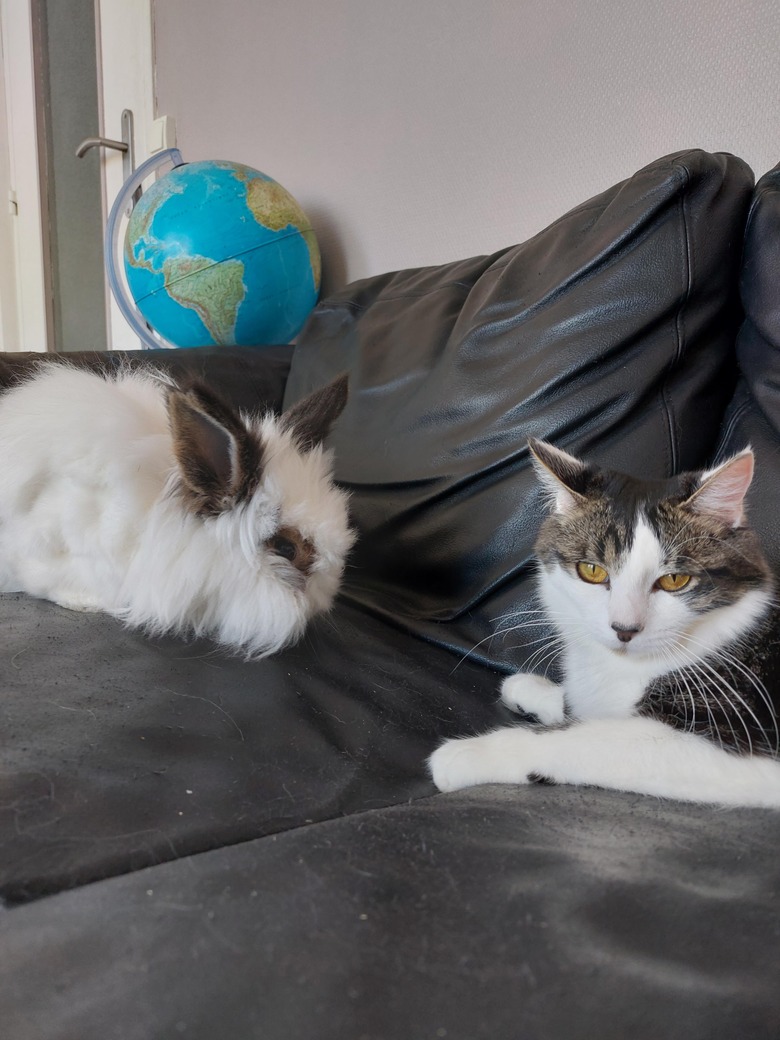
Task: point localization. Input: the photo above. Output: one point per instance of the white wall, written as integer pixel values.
(421, 131)
(8, 325)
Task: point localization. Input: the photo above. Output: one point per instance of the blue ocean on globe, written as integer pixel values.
(220, 254)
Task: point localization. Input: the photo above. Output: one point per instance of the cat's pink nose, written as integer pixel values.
(626, 633)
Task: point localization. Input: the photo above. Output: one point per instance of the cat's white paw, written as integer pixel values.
(501, 757)
(534, 695)
(460, 763)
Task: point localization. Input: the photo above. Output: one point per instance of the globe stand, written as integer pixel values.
(123, 201)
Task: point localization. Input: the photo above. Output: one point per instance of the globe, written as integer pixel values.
(220, 254)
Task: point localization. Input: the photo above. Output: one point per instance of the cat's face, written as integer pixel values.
(641, 566)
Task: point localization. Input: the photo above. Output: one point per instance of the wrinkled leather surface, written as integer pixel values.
(753, 416)
(610, 333)
(249, 849)
(549, 913)
(120, 751)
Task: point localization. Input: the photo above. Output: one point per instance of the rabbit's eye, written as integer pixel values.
(283, 547)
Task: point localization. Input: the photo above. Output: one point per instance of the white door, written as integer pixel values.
(53, 292)
(126, 76)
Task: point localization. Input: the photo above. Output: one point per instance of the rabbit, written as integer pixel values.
(163, 506)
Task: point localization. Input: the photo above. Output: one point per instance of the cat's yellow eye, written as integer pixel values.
(592, 573)
(673, 582)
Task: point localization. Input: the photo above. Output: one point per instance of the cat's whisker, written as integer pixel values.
(515, 613)
(732, 662)
(493, 635)
(683, 658)
(476, 646)
(539, 618)
(541, 650)
(717, 685)
(548, 653)
(680, 679)
(705, 700)
(548, 660)
(710, 696)
(559, 621)
(758, 687)
(724, 655)
(545, 617)
(520, 625)
(546, 640)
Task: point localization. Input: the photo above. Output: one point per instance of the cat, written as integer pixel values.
(663, 605)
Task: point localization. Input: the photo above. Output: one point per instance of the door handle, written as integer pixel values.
(99, 142)
(125, 146)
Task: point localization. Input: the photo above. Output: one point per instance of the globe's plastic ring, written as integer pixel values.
(118, 289)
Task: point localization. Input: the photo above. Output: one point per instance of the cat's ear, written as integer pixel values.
(559, 473)
(721, 492)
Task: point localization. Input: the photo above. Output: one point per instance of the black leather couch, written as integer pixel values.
(195, 846)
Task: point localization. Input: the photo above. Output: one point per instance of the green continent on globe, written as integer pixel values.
(274, 207)
(136, 246)
(314, 256)
(213, 291)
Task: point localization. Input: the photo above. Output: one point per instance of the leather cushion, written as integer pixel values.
(540, 912)
(753, 416)
(120, 751)
(611, 333)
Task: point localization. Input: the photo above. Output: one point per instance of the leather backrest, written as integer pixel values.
(610, 333)
(753, 416)
(251, 378)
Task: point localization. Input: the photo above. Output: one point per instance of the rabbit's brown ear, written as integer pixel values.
(312, 418)
(219, 460)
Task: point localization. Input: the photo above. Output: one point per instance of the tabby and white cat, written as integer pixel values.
(663, 605)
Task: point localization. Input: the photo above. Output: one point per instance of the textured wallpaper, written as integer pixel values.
(417, 133)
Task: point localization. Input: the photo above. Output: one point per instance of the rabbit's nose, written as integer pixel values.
(283, 547)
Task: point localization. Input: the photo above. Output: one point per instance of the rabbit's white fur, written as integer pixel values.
(93, 516)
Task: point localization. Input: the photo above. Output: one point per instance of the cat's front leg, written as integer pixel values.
(634, 754)
(534, 695)
(500, 757)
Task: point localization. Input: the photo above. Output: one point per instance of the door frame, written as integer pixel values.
(125, 50)
(33, 316)
(125, 71)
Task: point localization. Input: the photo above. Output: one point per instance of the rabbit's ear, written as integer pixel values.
(312, 418)
(219, 460)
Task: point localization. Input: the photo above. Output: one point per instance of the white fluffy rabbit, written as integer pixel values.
(163, 506)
